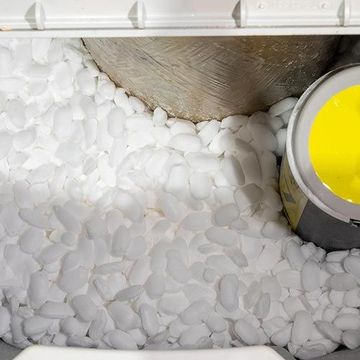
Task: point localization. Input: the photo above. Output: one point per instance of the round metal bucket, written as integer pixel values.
(201, 78)
(313, 210)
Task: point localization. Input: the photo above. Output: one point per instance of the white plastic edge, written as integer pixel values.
(60, 353)
(125, 18)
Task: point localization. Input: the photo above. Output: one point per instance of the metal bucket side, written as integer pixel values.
(202, 78)
(309, 221)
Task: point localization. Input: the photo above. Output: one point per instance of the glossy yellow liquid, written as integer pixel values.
(334, 144)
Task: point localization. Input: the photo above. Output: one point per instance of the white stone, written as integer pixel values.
(124, 317)
(229, 287)
(221, 236)
(185, 143)
(342, 282)
(302, 327)
(351, 339)
(246, 332)
(329, 330)
(233, 171)
(55, 310)
(36, 325)
(282, 106)
(6, 141)
(84, 307)
(347, 322)
(195, 313)
(38, 289)
(159, 117)
(310, 275)
(226, 214)
(352, 265)
(202, 162)
(130, 207)
(248, 196)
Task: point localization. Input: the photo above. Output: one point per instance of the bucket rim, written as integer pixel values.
(297, 142)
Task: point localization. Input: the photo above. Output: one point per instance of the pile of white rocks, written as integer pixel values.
(122, 228)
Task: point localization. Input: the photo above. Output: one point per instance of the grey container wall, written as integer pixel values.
(201, 78)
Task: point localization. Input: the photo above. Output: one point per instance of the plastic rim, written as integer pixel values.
(297, 144)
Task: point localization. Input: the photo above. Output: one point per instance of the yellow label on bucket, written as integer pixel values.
(334, 144)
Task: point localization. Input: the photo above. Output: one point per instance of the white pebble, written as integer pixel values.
(248, 196)
(281, 142)
(72, 280)
(351, 339)
(87, 83)
(97, 326)
(329, 330)
(31, 240)
(159, 117)
(116, 122)
(6, 62)
(155, 286)
(342, 282)
(36, 325)
(34, 217)
(262, 136)
(119, 339)
(252, 170)
(216, 323)
(233, 171)
(337, 256)
(275, 230)
(173, 304)
(107, 89)
(196, 221)
(80, 341)
(130, 293)
(276, 123)
(177, 269)
(149, 319)
(200, 186)
(352, 265)
(11, 84)
(262, 306)
(52, 253)
(124, 317)
(173, 210)
(246, 332)
(84, 307)
(6, 141)
(229, 287)
(226, 214)
(294, 255)
(282, 337)
(352, 298)
(185, 143)
(193, 334)
(55, 310)
(310, 275)
(208, 132)
(282, 106)
(347, 322)
(302, 327)
(202, 162)
(38, 289)
(130, 207)
(221, 236)
(136, 104)
(290, 279)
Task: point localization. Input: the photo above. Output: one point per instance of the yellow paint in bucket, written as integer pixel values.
(334, 144)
